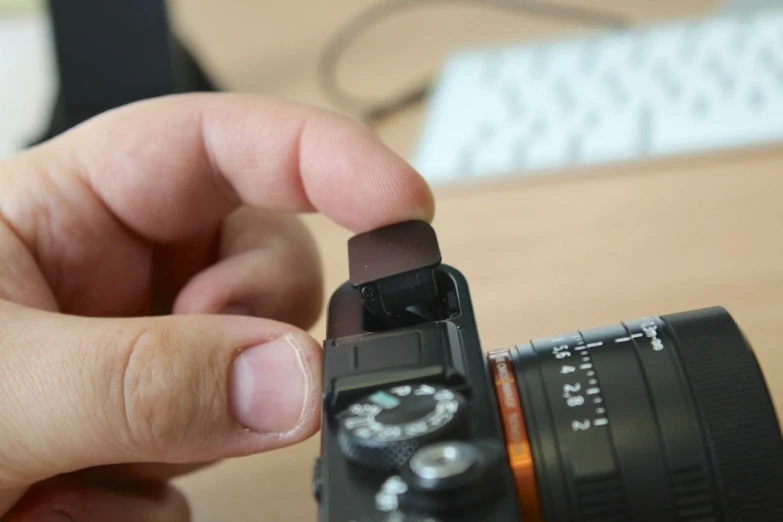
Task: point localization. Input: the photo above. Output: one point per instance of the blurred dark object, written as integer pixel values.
(111, 53)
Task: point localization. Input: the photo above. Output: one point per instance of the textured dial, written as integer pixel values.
(384, 429)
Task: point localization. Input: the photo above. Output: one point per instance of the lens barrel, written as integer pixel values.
(652, 420)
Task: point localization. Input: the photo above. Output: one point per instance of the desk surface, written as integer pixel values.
(542, 256)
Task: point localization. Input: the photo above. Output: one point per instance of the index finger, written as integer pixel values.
(170, 167)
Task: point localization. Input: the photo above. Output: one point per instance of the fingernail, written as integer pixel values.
(269, 387)
(238, 309)
(58, 516)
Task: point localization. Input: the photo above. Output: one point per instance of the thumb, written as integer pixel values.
(80, 392)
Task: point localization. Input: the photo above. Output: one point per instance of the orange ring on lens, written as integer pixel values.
(518, 445)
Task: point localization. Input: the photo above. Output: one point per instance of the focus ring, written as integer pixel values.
(736, 411)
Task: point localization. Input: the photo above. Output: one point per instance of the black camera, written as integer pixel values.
(656, 419)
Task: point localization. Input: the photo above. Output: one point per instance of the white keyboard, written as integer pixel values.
(680, 88)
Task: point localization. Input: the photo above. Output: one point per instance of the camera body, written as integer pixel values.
(655, 419)
(375, 343)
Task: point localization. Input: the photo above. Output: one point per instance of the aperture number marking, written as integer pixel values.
(568, 394)
(561, 352)
(581, 390)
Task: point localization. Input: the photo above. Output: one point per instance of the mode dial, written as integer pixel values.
(382, 430)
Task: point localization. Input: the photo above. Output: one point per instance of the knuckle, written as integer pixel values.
(167, 395)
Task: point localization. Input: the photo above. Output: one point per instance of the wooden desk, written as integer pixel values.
(541, 256)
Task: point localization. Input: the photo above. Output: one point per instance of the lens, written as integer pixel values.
(652, 420)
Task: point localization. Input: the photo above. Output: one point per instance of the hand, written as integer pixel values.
(155, 289)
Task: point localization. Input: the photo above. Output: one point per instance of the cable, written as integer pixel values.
(372, 111)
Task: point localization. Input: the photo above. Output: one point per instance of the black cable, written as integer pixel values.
(372, 111)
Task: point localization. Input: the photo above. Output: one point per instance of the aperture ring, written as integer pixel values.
(577, 468)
